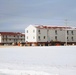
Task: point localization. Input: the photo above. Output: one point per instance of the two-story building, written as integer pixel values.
(11, 37)
(47, 35)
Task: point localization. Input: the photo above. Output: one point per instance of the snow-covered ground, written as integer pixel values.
(52, 60)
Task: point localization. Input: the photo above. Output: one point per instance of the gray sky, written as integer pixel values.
(16, 15)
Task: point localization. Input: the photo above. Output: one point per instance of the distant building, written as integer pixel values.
(11, 37)
(47, 35)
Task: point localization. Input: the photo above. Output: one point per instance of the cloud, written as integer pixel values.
(17, 14)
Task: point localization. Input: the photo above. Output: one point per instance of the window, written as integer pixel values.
(33, 31)
(72, 32)
(44, 37)
(27, 37)
(72, 38)
(67, 32)
(6, 36)
(3, 36)
(67, 38)
(27, 31)
(10, 39)
(3, 39)
(33, 37)
(56, 38)
(56, 32)
(14, 40)
(39, 31)
(39, 37)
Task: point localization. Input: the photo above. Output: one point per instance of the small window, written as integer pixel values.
(33, 37)
(44, 37)
(6, 39)
(33, 31)
(39, 37)
(6, 36)
(56, 38)
(27, 31)
(3, 36)
(3, 39)
(14, 39)
(39, 31)
(56, 32)
(67, 38)
(10, 39)
(72, 32)
(27, 37)
(67, 32)
(72, 38)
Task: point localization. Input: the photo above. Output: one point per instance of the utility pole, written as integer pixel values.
(66, 32)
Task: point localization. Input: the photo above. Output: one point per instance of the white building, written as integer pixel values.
(47, 34)
(11, 37)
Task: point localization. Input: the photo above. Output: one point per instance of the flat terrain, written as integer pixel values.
(51, 60)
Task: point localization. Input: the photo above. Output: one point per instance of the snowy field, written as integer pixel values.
(53, 60)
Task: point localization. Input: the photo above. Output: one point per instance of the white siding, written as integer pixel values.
(30, 34)
(48, 35)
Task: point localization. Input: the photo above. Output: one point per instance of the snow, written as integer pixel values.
(51, 60)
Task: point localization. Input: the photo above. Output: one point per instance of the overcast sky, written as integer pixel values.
(16, 15)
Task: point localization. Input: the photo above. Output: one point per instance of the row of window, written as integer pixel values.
(55, 32)
(67, 32)
(44, 37)
(11, 39)
(71, 38)
(38, 37)
(28, 31)
(33, 31)
(67, 38)
(71, 32)
(11, 36)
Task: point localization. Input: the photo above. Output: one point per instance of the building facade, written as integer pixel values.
(11, 37)
(45, 35)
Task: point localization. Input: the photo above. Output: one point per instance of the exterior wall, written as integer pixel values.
(71, 37)
(41, 35)
(30, 33)
(11, 39)
(57, 35)
(49, 34)
(62, 35)
(74, 35)
(21, 39)
(15, 38)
